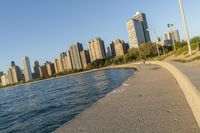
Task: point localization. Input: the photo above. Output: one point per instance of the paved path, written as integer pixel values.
(150, 102)
(191, 70)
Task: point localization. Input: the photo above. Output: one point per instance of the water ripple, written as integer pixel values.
(44, 106)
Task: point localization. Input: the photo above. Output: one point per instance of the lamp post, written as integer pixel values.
(170, 26)
(155, 36)
(185, 27)
(163, 44)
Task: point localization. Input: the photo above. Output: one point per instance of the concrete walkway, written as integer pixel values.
(191, 70)
(150, 102)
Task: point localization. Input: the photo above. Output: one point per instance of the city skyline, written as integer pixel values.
(74, 59)
(47, 47)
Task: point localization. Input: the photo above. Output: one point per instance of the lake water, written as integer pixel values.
(44, 106)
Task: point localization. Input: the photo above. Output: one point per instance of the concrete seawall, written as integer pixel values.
(192, 94)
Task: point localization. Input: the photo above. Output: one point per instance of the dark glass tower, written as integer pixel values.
(142, 18)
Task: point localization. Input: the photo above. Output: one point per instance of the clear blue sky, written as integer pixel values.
(41, 29)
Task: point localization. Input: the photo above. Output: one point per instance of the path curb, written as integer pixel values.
(191, 93)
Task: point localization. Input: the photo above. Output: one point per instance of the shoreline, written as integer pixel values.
(115, 90)
(127, 107)
(68, 75)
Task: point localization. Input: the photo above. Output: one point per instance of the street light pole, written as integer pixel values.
(163, 44)
(155, 36)
(185, 27)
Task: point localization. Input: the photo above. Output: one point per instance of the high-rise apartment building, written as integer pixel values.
(137, 28)
(55, 62)
(85, 58)
(58, 66)
(27, 69)
(135, 32)
(119, 47)
(69, 61)
(172, 35)
(97, 49)
(75, 50)
(16, 73)
(63, 57)
(10, 76)
(43, 71)
(36, 67)
(63, 61)
(175, 35)
(4, 80)
(112, 50)
(50, 69)
(109, 52)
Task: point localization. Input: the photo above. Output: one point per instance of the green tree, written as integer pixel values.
(147, 50)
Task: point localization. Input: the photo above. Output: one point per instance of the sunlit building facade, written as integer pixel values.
(137, 28)
(97, 49)
(27, 69)
(85, 58)
(75, 50)
(119, 47)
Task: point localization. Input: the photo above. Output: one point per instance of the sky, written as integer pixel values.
(41, 29)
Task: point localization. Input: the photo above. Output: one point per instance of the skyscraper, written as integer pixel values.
(63, 57)
(55, 62)
(119, 47)
(97, 49)
(75, 50)
(12, 63)
(175, 35)
(172, 35)
(137, 30)
(4, 80)
(27, 69)
(17, 74)
(14, 74)
(69, 61)
(85, 58)
(36, 67)
(43, 71)
(10, 76)
(109, 52)
(63, 61)
(50, 69)
(142, 18)
(58, 66)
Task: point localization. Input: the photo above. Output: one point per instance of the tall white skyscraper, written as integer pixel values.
(135, 33)
(27, 69)
(75, 50)
(137, 28)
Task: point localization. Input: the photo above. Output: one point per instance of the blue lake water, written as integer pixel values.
(44, 106)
